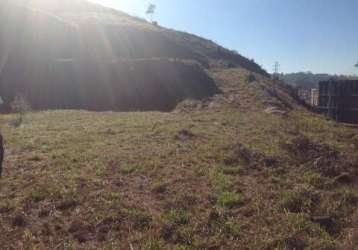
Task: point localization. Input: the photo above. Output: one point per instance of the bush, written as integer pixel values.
(176, 217)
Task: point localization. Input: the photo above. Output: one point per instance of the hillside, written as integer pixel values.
(126, 85)
(246, 169)
(237, 163)
(92, 45)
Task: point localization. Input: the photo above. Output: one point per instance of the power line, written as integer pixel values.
(276, 68)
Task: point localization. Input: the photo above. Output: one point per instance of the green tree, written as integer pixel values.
(151, 10)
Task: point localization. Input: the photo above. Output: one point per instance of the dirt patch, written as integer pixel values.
(67, 204)
(239, 154)
(19, 220)
(46, 229)
(323, 158)
(303, 150)
(326, 222)
(81, 231)
(44, 213)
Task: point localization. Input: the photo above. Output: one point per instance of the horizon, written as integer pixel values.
(299, 39)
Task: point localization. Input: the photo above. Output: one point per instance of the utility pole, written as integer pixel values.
(276, 69)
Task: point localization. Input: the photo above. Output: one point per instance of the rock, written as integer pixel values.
(214, 105)
(274, 110)
(234, 99)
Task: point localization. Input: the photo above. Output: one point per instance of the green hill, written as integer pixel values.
(51, 51)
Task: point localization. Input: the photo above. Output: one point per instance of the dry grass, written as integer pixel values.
(76, 179)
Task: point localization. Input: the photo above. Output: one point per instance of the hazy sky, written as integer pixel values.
(303, 35)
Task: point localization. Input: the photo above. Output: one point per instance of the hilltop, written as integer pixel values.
(80, 55)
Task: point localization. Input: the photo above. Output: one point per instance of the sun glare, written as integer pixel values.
(134, 7)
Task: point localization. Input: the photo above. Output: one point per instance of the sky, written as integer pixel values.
(320, 36)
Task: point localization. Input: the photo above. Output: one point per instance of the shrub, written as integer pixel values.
(129, 169)
(176, 217)
(236, 170)
(251, 78)
(230, 199)
(232, 228)
(38, 195)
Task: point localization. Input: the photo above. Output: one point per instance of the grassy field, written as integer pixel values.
(220, 174)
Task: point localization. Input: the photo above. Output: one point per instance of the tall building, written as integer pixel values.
(339, 100)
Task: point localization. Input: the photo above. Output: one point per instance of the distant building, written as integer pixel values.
(309, 96)
(339, 100)
(304, 94)
(314, 97)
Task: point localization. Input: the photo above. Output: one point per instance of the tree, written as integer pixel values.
(151, 10)
(20, 106)
(356, 65)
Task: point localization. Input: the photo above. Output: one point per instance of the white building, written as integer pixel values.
(314, 97)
